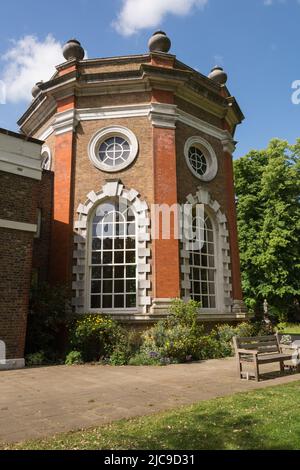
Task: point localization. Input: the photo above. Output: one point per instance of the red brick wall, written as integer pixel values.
(15, 274)
(20, 205)
(41, 245)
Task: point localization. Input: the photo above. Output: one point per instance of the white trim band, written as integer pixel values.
(10, 224)
(160, 115)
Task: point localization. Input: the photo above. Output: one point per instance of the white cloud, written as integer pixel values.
(141, 14)
(27, 62)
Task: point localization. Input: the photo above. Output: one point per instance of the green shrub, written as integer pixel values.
(36, 359)
(74, 358)
(127, 346)
(245, 330)
(145, 359)
(176, 338)
(95, 336)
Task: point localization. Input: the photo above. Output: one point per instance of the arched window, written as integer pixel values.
(113, 257)
(202, 257)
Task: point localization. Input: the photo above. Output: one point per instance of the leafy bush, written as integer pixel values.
(74, 357)
(128, 345)
(36, 359)
(95, 336)
(145, 359)
(177, 337)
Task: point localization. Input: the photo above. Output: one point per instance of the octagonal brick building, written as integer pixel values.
(146, 130)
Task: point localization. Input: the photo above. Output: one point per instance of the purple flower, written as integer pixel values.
(153, 355)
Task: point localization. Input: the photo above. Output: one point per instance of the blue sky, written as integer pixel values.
(257, 42)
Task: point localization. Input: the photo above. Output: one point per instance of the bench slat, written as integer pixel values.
(256, 338)
(256, 345)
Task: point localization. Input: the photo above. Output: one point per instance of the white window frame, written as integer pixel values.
(90, 267)
(209, 153)
(208, 269)
(101, 136)
(223, 256)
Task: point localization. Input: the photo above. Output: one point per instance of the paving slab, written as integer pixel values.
(41, 402)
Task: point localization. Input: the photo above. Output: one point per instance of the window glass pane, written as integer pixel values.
(130, 257)
(197, 287)
(96, 257)
(97, 230)
(130, 244)
(120, 229)
(131, 229)
(107, 257)
(119, 287)
(96, 273)
(107, 244)
(96, 287)
(196, 274)
(107, 301)
(211, 288)
(119, 257)
(130, 301)
(95, 301)
(119, 272)
(130, 286)
(107, 272)
(107, 287)
(119, 243)
(130, 271)
(119, 301)
(108, 230)
(97, 244)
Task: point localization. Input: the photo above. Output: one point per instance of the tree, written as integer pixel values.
(268, 206)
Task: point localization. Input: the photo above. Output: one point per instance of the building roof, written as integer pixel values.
(20, 136)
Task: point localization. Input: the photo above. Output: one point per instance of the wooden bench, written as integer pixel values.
(258, 350)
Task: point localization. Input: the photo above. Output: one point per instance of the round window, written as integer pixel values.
(198, 161)
(201, 158)
(113, 149)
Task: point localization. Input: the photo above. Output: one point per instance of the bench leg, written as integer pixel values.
(256, 369)
(282, 367)
(239, 368)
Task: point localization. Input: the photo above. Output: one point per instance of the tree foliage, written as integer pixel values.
(268, 204)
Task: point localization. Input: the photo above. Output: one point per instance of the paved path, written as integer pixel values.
(36, 403)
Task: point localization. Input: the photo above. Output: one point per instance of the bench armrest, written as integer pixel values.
(251, 352)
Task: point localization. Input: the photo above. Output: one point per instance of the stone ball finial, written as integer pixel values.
(159, 42)
(73, 50)
(218, 75)
(36, 89)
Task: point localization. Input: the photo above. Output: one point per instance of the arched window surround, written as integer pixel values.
(222, 256)
(81, 288)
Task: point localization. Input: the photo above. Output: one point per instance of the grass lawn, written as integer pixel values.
(291, 329)
(263, 419)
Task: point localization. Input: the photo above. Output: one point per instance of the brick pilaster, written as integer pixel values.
(166, 262)
(62, 240)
